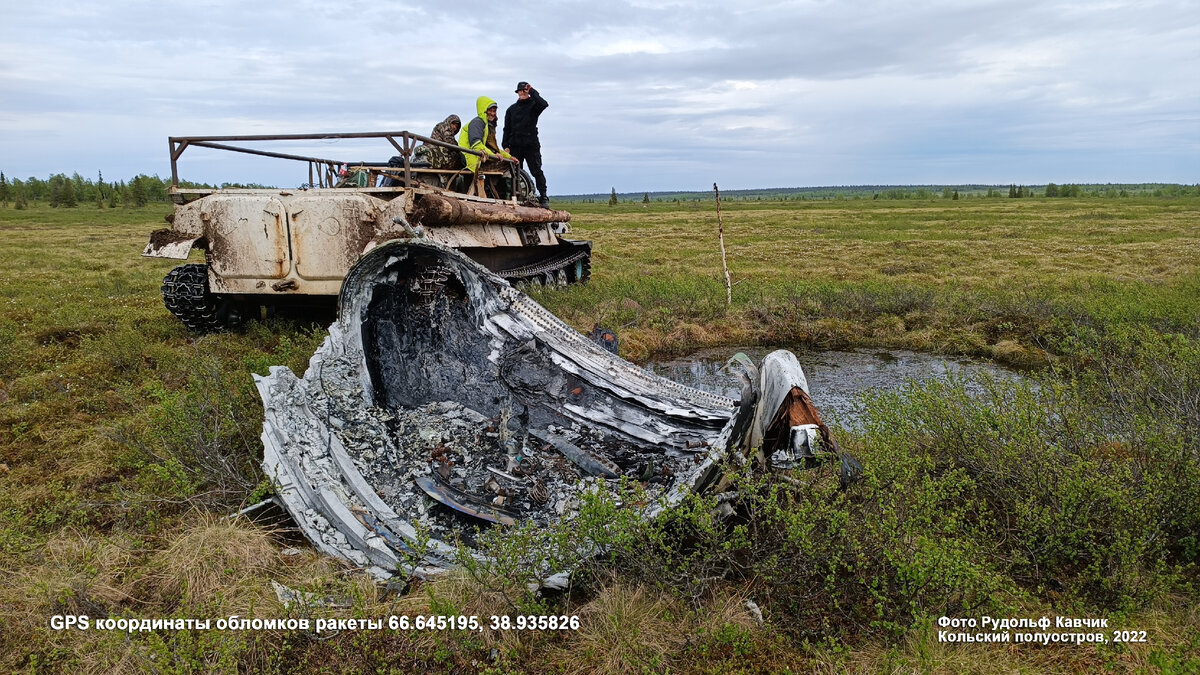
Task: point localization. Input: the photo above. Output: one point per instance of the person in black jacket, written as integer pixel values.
(521, 134)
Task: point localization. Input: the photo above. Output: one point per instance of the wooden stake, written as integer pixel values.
(721, 238)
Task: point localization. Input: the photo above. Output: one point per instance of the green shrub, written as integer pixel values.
(1085, 485)
(199, 443)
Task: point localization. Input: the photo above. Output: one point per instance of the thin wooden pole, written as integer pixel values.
(721, 238)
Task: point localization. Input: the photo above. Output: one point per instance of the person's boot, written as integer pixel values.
(544, 202)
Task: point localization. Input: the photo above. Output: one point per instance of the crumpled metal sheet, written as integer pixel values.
(444, 399)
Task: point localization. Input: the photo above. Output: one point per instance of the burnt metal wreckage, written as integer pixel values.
(445, 399)
(289, 249)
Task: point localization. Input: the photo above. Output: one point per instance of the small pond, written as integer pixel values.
(835, 378)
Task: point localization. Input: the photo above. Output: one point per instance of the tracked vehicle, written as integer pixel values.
(286, 249)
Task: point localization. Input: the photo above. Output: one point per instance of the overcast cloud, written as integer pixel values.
(643, 95)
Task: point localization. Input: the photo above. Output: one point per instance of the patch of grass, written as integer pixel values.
(214, 562)
(948, 272)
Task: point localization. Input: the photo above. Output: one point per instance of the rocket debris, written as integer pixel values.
(444, 399)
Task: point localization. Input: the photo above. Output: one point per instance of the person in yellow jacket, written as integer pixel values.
(480, 134)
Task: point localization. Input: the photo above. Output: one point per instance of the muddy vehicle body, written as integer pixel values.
(281, 249)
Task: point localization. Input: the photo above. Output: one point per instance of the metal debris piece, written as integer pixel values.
(438, 373)
(502, 474)
(595, 466)
(459, 502)
(290, 596)
(755, 612)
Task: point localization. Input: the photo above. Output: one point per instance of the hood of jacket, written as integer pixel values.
(445, 130)
(482, 104)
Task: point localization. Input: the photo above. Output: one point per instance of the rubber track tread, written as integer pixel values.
(185, 293)
(538, 270)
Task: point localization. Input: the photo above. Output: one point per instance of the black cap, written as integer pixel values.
(521, 87)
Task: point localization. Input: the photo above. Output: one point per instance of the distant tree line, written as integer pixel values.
(1050, 190)
(914, 192)
(1109, 191)
(63, 191)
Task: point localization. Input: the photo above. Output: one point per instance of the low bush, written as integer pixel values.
(198, 444)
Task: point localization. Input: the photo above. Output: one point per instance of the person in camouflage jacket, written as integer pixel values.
(439, 157)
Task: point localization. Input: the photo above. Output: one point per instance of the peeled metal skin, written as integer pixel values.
(444, 399)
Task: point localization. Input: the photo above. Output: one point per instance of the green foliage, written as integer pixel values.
(727, 640)
(612, 200)
(62, 192)
(191, 651)
(833, 563)
(198, 444)
(139, 192)
(1079, 486)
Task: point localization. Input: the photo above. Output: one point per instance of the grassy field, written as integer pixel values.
(125, 441)
(992, 278)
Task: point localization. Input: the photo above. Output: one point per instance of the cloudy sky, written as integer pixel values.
(643, 95)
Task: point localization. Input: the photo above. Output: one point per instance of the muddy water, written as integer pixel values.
(835, 378)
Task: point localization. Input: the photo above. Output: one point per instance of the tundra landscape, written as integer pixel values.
(128, 445)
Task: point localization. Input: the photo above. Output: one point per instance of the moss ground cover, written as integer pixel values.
(124, 440)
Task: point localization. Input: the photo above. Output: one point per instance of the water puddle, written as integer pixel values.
(835, 378)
